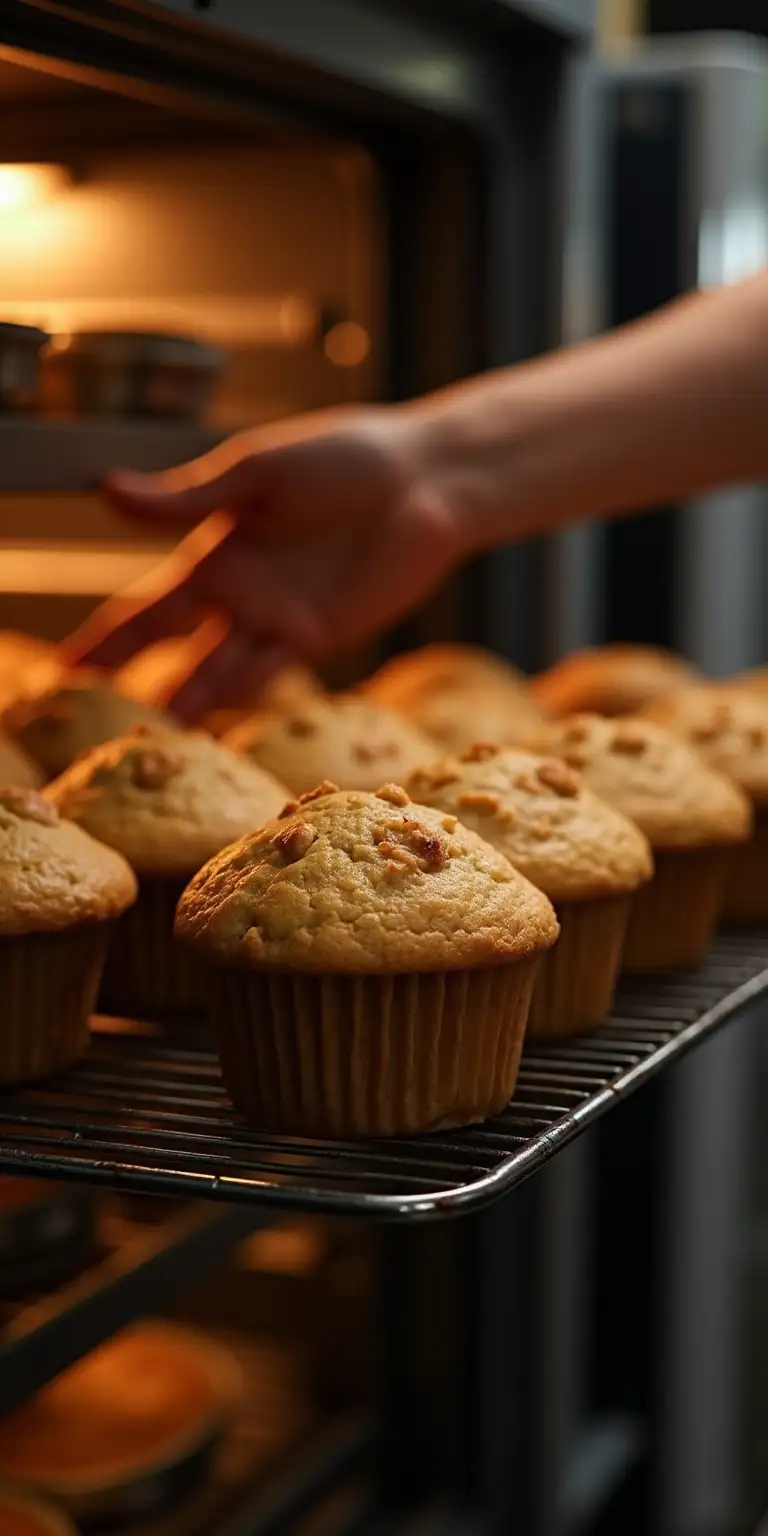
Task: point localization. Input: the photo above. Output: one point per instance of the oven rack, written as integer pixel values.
(148, 1113)
(41, 455)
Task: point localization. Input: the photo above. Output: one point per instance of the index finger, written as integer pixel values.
(124, 625)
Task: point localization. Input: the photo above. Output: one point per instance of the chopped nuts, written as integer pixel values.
(326, 788)
(509, 815)
(299, 725)
(450, 823)
(394, 793)
(294, 841)
(577, 730)
(528, 780)
(28, 805)
(440, 777)
(541, 829)
(630, 737)
(576, 757)
(362, 753)
(479, 800)
(153, 768)
(480, 751)
(756, 736)
(559, 777)
(412, 842)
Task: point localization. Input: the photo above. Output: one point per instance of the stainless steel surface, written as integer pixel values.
(130, 373)
(20, 347)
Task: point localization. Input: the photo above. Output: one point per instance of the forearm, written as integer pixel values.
(669, 406)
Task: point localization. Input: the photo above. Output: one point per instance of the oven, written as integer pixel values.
(346, 201)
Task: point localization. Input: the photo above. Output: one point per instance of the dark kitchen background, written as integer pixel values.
(350, 200)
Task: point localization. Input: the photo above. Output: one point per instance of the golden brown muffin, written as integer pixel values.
(167, 800)
(611, 679)
(370, 966)
(16, 767)
(354, 743)
(21, 1516)
(586, 857)
(59, 894)
(109, 1427)
(694, 819)
(729, 728)
(56, 725)
(458, 694)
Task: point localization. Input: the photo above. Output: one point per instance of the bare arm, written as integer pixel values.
(317, 533)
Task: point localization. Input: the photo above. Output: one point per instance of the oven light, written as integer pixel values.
(347, 344)
(29, 186)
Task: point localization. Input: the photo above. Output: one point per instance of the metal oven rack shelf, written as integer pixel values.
(39, 456)
(150, 1114)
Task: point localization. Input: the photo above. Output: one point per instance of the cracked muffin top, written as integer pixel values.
(54, 726)
(168, 800)
(611, 679)
(652, 776)
(728, 728)
(458, 694)
(348, 882)
(52, 874)
(540, 815)
(348, 740)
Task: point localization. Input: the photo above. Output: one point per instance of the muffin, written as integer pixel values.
(458, 694)
(113, 1436)
(167, 800)
(370, 964)
(729, 728)
(16, 767)
(611, 679)
(694, 819)
(288, 689)
(54, 726)
(753, 681)
(20, 1516)
(60, 892)
(586, 857)
(349, 741)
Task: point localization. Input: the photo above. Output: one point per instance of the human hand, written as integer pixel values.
(310, 537)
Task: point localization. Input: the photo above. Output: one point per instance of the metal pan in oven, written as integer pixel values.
(130, 373)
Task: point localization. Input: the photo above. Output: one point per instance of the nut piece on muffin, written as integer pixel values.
(611, 679)
(694, 818)
(370, 964)
(60, 891)
(729, 729)
(458, 694)
(54, 726)
(167, 800)
(348, 740)
(586, 857)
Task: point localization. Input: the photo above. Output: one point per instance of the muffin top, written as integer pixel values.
(653, 777)
(345, 882)
(539, 814)
(16, 767)
(168, 800)
(348, 740)
(753, 681)
(458, 694)
(57, 724)
(52, 874)
(611, 679)
(729, 728)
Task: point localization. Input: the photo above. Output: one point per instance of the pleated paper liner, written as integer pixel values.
(746, 891)
(674, 916)
(147, 974)
(574, 990)
(48, 984)
(371, 1055)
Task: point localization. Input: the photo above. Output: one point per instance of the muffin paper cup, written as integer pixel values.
(147, 974)
(371, 1055)
(575, 986)
(746, 891)
(48, 983)
(673, 917)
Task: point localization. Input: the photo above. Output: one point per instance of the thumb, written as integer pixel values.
(186, 495)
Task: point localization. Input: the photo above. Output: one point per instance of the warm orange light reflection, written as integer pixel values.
(347, 344)
(27, 186)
